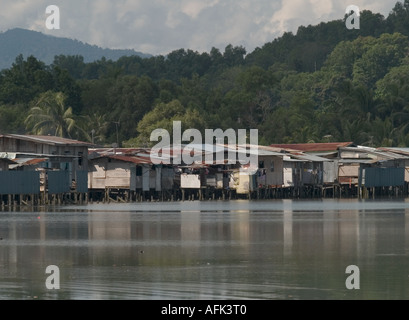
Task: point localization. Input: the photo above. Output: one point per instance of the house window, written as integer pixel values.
(272, 166)
(261, 164)
(139, 171)
(80, 155)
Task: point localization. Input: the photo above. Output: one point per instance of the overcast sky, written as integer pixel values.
(160, 26)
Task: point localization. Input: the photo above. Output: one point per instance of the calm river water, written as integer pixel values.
(277, 249)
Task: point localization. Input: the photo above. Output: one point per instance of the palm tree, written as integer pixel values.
(50, 116)
(96, 126)
(355, 101)
(383, 133)
(394, 99)
(355, 130)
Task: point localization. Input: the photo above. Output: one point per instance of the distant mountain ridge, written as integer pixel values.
(44, 47)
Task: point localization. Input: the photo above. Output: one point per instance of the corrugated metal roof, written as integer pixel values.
(266, 149)
(274, 149)
(292, 160)
(122, 151)
(256, 150)
(32, 162)
(326, 153)
(403, 151)
(132, 159)
(309, 157)
(313, 147)
(142, 155)
(21, 162)
(47, 140)
(377, 153)
(260, 152)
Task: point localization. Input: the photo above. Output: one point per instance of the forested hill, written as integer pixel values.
(324, 83)
(26, 42)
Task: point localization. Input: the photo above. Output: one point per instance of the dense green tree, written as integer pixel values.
(322, 83)
(73, 64)
(162, 117)
(24, 80)
(94, 95)
(129, 99)
(371, 24)
(12, 119)
(398, 19)
(379, 56)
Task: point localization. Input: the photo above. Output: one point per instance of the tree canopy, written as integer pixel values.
(324, 83)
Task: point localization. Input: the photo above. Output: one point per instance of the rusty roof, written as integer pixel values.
(133, 159)
(314, 147)
(29, 161)
(124, 158)
(51, 140)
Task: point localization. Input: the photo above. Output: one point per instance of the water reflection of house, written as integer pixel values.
(240, 227)
(114, 231)
(190, 224)
(109, 227)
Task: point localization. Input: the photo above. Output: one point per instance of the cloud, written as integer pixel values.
(193, 7)
(19, 13)
(160, 26)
